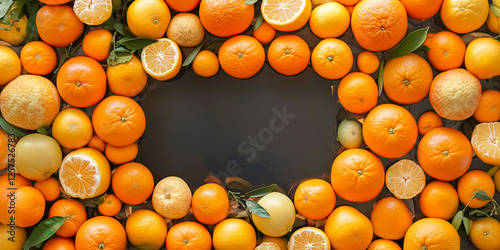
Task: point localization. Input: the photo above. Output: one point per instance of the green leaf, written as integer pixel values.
(481, 195)
(467, 225)
(497, 38)
(32, 7)
(410, 43)
(258, 22)
(213, 45)
(122, 50)
(96, 200)
(134, 43)
(257, 209)
(4, 7)
(43, 129)
(380, 78)
(477, 214)
(43, 231)
(116, 58)
(493, 170)
(422, 48)
(109, 24)
(192, 55)
(124, 31)
(495, 9)
(250, 2)
(259, 192)
(10, 129)
(116, 5)
(457, 220)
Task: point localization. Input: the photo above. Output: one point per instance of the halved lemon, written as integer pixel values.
(286, 15)
(485, 141)
(405, 179)
(162, 60)
(93, 12)
(309, 238)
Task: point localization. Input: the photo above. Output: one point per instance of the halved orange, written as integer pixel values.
(93, 12)
(287, 15)
(162, 60)
(309, 238)
(485, 141)
(405, 179)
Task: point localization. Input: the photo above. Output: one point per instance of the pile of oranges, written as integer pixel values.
(71, 123)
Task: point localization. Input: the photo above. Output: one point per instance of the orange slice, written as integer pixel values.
(485, 141)
(405, 179)
(268, 246)
(93, 12)
(162, 60)
(286, 15)
(309, 238)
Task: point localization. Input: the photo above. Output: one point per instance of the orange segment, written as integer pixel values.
(286, 15)
(162, 60)
(93, 12)
(309, 238)
(405, 179)
(485, 141)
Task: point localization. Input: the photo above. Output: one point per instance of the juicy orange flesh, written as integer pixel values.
(282, 10)
(160, 57)
(309, 240)
(405, 179)
(80, 176)
(93, 11)
(486, 140)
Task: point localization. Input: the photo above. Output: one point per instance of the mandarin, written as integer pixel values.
(10, 65)
(148, 18)
(132, 183)
(289, 55)
(210, 204)
(265, 33)
(58, 25)
(367, 62)
(232, 234)
(96, 44)
(314, 199)
(485, 232)
(59, 243)
(241, 56)
(121, 155)
(146, 229)
(189, 235)
(111, 205)
(7, 181)
(432, 233)
(447, 50)
(391, 218)
(101, 232)
(72, 128)
(383, 244)
(471, 182)
(358, 92)
(206, 63)
(489, 107)
(74, 211)
(226, 18)
(183, 5)
(29, 206)
(484, 140)
(439, 199)
(38, 58)
(347, 228)
(422, 9)
(50, 188)
(93, 12)
(428, 121)
(464, 16)
(332, 59)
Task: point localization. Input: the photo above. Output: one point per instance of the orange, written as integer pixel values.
(482, 57)
(210, 204)
(54, 2)
(162, 60)
(496, 179)
(85, 173)
(38, 156)
(10, 65)
(286, 16)
(132, 183)
(493, 21)
(390, 218)
(7, 142)
(390, 130)
(347, 228)
(447, 50)
(348, 2)
(97, 143)
(101, 232)
(189, 235)
(96, 44)
(379, 25)
(472, 181)
(289, 55)
(146, 229)
(148, 18)
(93, 12)
(15, 34)
(357, 175)
(172, 197)
(484, 233)
(58, 25)
(407, 79)
(464, 16)
(329, 20)
(332, 59)
(121, 155)
(428, 121)
(241, 56)
(29, 206)
(111, 206)
(234, 234)
(186, 30)
(183, 5)
(444, 153)
(422, 9)
(119, 120)
(455, 94)
(9, 180)
(280, 241)
(29, 102)
(225, 18)
(206, 63)
(405, 179)
(367, 62)
(127, 79)
(485, 142)
(489, 107)
(72, 128)
(432, 233)
(265, 33)
(307, 238)
(59, 243)
(38, 58)
(314, 199)
(358, 92)
(268, 246)
(439, 199)
(383, 244)
(75, 212)
(50, 188)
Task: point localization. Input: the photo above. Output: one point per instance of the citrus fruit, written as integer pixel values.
(132, 183)
(146, 229)
(357, 92)
(172, 197)
(428, 121)
(93, 12)
(186, 30)
(367, 62)
(348, 2)
(489, 107)
(38, 58)
(309, 238)
(29, 206)
(121, 155)
(182, 5)
(189, 235)
(206, 63)
(379, 25)
(37, 156)
(332, 58)
(72, 128)
(281, 215)
(9, 241)
(50, 188)
(85, 173)
(383, 244)
(280, 241)
(54, 2)
(29, 102)
(286, 16)
(439, 199)
(265, 33)
(17, 33)
(10, 65)
(350, 133)
(226, 18)
(485, 142)
(390, 218)
(464, 16)
(210, 204)
(234, 234)
(405, 179)
(111, 205)
(8, 181)
(357, 175)
(329, 20)
(97, 143)
(74, 211)
(431, 233)
(422, 9)
(162, 60)
(58, 25)
(148, 18)
(444, 153)
(127, 79)
(482, 56)
(447, 50)
(7, 142)
(347, 228)
(268, 246)
(484, 233)
(493, 21)
(496, 179)
(241, 56)
(96, 44)
(314, 199)
(471, 182)
(101, 232)
(59, 243)
(119, 120)
(288, 55)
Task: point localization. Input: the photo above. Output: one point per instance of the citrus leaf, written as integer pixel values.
(457, 219)
(134, 43)
(259, 192)
(495, 9)
(250, 2)
(32, 7)
(95, 201)
(10, 129)
(109, 24)
(380, 78)
(481, 195)
(467, 225)
(213, 45)
(497, 38)
(493, 170)
(43, 231)
(258, 22)
(124, 31)
(43, 129)
(31, 30)
(190, 58)
(257, 209)
(422, 48)
(410, 43)
(477, 214)
(4, 7)
(122, 50)
(120, 57)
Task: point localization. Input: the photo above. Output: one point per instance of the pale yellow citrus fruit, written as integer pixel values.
(172, 197)
(329, 20)
(186, 30)
(281, 215)
(12, 237)
(162, 60)
(37, 156)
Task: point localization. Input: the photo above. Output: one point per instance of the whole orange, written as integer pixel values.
(10, 65)
(241, 56)
(6, 143)
(59, 243)
(226, 18)
(72, 128)
(439, 199)
(183, 5)
(265, 33)
(189, 235)
(111, 205)
(127, 79)
(97, 143)
(358, 92)
(431, 233)
(29, 206)
(9, 180)
(289, 55)
(383, 244)
(367, 62)
(391, 218)
(444, 153)
(75, 212)
(390, 130)
(232, 234)
(101, 232)
(132, 183)
(482, 56)
(357, 175)
(314, 199)
(489, 107)
(447, 50)
(422, 9)
(485, 232)
(332, 58)
(148, 18)
(347, 228)
(210, 204)
(38, 58)
(96, 44)
(55, 2)
(121, 155)
(50, 188)
(329, 20)
(146, 229)
(58, 25)
(206, 63)
(464, 16)
(472, 181)
(428, 121)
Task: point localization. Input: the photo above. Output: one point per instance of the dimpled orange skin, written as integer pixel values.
(101, 232)
(242, 56)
